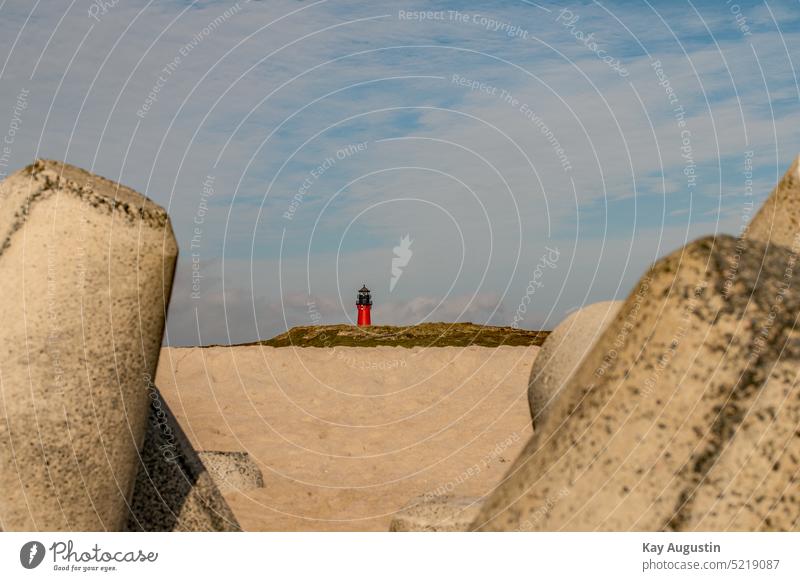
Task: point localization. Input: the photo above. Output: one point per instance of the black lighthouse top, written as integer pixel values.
(364, 297)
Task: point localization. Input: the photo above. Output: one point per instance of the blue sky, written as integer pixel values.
(454, 129)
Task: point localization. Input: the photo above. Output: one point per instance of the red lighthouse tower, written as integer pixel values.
(364, 305)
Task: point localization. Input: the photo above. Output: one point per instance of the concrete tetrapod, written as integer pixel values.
(778, 220)
(436, 514)
(174, 490)
(86, 268)
(232, 470)
(562, 352)
(684, 416)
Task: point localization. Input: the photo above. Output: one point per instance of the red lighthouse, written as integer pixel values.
(364, 305)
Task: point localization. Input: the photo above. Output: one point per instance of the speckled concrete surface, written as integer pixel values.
(174, 491)
(778, 220)
(232, 470)
(684, 416)
(86, 269)
(437, 514)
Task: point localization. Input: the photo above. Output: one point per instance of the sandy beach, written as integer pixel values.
(345, 436)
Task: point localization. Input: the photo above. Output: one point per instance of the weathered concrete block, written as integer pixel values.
(689, 421)
(562, 352)
(232, 471)
(778, 220)
(86, 267)
(437, 514)
(174, 491)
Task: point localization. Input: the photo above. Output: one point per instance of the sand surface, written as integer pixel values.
(345, 437)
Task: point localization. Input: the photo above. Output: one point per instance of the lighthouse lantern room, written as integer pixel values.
(364, 305)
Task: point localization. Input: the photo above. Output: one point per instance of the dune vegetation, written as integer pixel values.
(424, 335)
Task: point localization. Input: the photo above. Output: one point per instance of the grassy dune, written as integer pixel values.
(424, 335)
